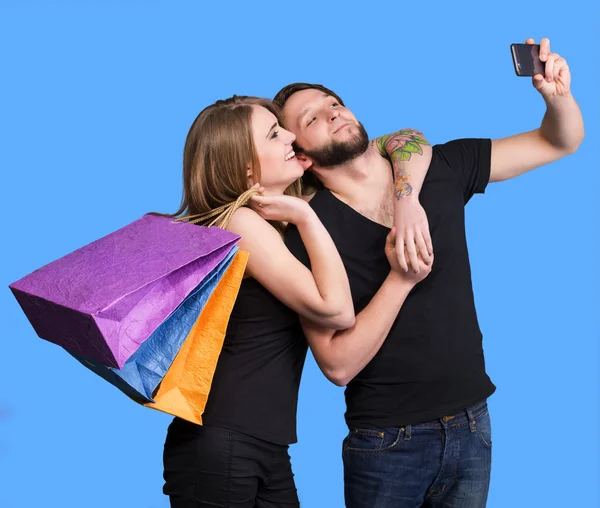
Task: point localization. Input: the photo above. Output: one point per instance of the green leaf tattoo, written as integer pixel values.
(399, 147)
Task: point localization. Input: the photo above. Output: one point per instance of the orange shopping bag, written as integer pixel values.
(184, 389)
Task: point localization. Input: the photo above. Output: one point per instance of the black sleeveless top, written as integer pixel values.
(256, 382)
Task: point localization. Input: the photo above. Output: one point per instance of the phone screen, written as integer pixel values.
(526, 58)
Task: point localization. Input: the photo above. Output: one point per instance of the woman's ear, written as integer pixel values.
(251, 182)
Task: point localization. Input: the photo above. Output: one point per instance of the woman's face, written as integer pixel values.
(278, 165)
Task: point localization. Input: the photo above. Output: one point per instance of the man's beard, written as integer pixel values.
(337, 153)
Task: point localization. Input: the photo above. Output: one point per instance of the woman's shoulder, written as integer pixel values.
(248, 224)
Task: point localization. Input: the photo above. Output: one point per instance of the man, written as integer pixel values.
(419, 429)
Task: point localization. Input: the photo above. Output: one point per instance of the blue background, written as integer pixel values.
(96, 101)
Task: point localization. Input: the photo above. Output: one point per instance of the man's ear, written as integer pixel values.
(304, 161)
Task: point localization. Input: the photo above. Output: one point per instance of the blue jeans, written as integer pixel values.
(443, 463)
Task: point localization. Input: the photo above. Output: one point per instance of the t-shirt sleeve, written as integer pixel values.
(471, 160)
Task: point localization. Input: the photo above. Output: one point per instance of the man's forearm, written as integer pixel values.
(343, 354)
(399, 147)
(562, 125)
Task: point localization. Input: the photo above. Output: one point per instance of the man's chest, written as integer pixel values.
(377, 207)
(381, 211)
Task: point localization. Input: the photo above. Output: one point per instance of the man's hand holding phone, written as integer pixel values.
(556, 77)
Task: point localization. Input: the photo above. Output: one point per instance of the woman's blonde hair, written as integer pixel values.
(218, 150)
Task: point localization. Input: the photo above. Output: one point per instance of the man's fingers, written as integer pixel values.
(411, 250)
(428, 242)
(544, 49)
(422, 248)
(400, 254)
(401, 258)
(560, 65)
(550, 74)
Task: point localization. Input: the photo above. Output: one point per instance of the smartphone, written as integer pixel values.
(526, 59)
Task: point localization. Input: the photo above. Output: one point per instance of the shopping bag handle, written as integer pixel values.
(222, 215)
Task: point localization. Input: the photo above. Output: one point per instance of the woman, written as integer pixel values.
(239, 457)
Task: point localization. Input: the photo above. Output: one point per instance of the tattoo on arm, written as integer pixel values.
(399, 147)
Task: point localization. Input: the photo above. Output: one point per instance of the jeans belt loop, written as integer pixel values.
(472, 421)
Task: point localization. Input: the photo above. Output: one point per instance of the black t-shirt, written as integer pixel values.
(431, 364)
(255, 386)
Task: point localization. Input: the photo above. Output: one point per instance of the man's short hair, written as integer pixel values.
(287, 91)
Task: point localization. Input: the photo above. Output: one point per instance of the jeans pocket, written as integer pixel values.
(484, 429)
(372, 440)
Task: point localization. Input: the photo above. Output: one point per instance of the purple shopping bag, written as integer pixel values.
(103, 300)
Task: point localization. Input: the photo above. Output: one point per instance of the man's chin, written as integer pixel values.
(349, 146)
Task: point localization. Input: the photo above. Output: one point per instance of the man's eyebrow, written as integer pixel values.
(306, 110)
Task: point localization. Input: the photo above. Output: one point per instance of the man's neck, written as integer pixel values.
(369, 176)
